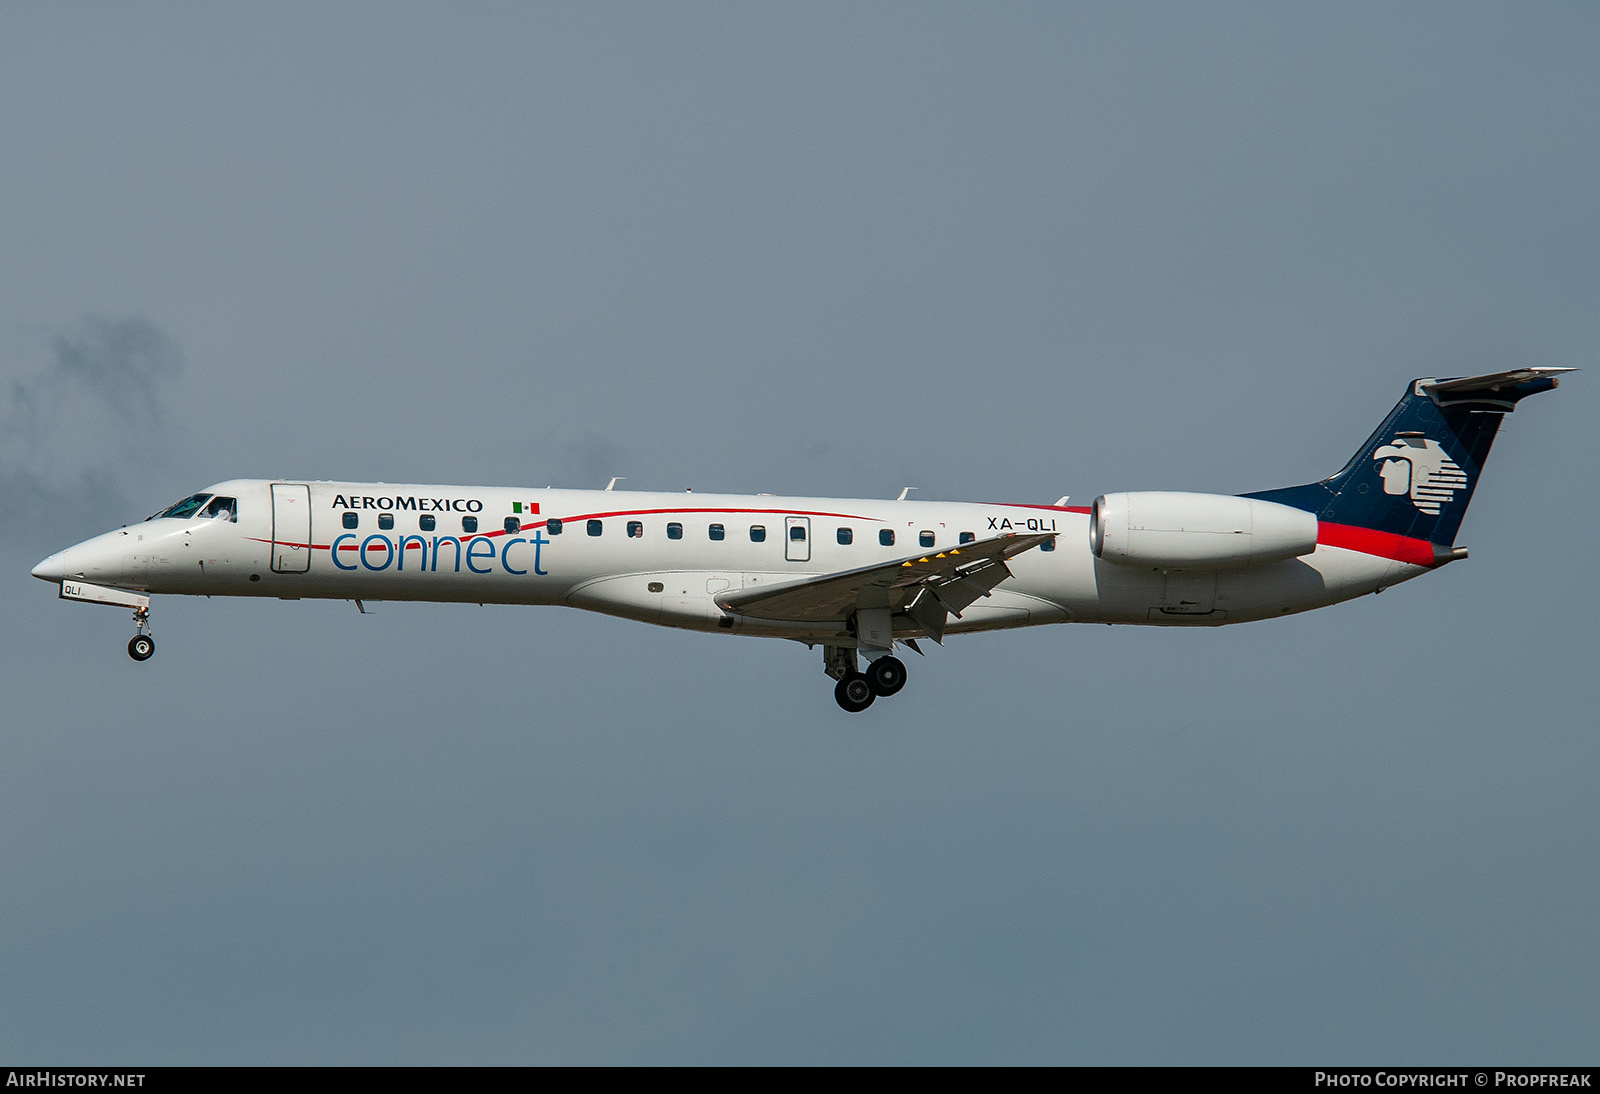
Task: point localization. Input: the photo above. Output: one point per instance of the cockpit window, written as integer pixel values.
(185, 508)
(222, 508)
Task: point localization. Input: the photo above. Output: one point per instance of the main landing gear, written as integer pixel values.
(887, 675)
(141, 646)
(856, 690)
(853, 693)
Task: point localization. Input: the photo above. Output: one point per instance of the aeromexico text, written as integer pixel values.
(479, 552)
(423, 505)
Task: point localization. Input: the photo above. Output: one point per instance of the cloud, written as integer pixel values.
(83, 422)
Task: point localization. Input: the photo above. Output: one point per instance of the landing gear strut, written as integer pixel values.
(141, 646)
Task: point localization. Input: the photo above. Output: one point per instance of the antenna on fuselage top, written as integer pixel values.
(904, 492)
(614, 480)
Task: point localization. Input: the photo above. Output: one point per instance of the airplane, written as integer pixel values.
(857, 577)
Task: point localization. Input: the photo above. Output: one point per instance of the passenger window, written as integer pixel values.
(636, 529)
(386, 520)
(352, 520)
(513, 525)
(716, 531)
(797, 532)
(553, 526)
(595, 527)
(886, 537)
(1048, 545)
(674, 531)
(846, 535)
(222, 509)
(758, 534)
(967, 537)
(469, 524)
(925, 539)
(427, 522)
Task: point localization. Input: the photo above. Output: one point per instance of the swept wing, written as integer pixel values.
(928, 587)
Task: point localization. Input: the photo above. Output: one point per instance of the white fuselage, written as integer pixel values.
(657, 558)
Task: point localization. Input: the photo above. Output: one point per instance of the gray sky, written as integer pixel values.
(995, 252)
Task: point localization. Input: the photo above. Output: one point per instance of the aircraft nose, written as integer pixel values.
(51, 569)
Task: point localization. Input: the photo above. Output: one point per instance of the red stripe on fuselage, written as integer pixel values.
(1052, 508)
(1370, 541)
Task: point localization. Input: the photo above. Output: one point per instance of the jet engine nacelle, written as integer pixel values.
(1175, 531)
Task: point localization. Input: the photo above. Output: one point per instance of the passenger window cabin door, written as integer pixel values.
(797, 539)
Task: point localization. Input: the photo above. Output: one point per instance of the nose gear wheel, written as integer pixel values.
(141, 647)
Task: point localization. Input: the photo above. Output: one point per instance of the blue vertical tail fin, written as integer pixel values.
(1416, 473)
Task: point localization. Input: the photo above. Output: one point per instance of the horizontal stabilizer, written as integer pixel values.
(1500, 389)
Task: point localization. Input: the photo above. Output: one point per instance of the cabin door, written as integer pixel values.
(291, 528)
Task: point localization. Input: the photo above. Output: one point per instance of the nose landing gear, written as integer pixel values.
(141, 646)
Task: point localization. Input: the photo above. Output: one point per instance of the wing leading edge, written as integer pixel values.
(927, 587)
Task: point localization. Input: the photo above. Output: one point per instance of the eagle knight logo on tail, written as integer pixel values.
(1418, 466)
